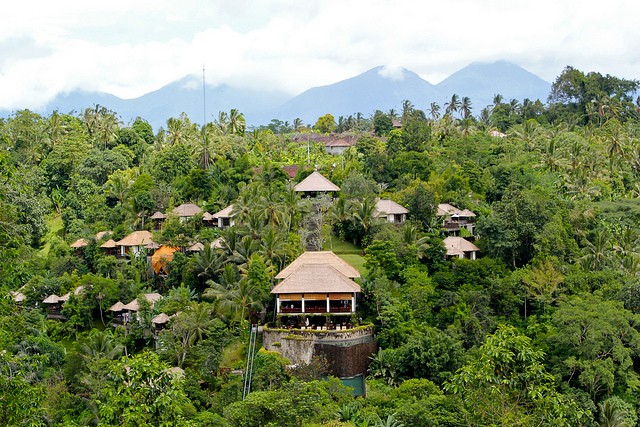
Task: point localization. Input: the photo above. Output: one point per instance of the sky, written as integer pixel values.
(129, 48)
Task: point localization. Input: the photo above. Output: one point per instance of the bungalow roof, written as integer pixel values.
(158, 215)
(137, 238)
(318, 278)
(119, 306)
(51, 299)
(458, 246)
(160, 319)
(224, 213)
(187, 210)
(135, 305)
(316, 182)
(80, 243)
(390, 207)
(322, 258)
(18, 296)
(109, 244)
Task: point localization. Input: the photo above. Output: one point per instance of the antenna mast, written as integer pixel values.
(205, 149)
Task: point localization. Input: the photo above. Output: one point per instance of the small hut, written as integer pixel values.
(316, 184)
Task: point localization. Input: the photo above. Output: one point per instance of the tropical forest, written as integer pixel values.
(140, 267)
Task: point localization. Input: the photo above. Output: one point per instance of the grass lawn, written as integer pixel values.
(333, 243)
(355, 260)
(54, 223)
(347, 251)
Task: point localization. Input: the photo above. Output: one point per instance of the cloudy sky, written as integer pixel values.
(129, 48)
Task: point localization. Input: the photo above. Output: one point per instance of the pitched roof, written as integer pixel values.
(160, 319)
(137, 238)
(187, 210)
(18, 296)
(458, 246)
(318, 278)
(224, 213)
(158, 215)
(197, 247)
(109, 244)
(390, 207)
(316, 182)
(319, 258)
(207, 216)
(51, 299)
(80, 243)
(119, 306)
(445, 209)
(135, 306)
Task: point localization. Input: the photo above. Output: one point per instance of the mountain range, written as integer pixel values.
(376, 89)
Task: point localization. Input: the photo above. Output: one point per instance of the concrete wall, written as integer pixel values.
(347, 352)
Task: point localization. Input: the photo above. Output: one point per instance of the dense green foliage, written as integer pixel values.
(542, 329)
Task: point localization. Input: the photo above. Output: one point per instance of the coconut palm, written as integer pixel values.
(434, 111)
(99, 345)
(465, 107)
(236, 123)
(453, 105)
(236, 295)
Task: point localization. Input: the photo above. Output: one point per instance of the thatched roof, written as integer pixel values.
(51, 299)
(187, 210)
(18, 296)
(457, 246)
(137, 238)
(445, 209)
(160, 319)
(158, 215)
(135, 306)
(109, 244)
(197, 247)
(320, 258)
(389, 207)
(80, 243)
(224, 213)
(316, 183)
(319, 278)
(102, 234)
(119, 306)
(207, 217)
(161, 257)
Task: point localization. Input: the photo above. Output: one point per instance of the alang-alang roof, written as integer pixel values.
(316, 183)
(320, 258)
(316, 278)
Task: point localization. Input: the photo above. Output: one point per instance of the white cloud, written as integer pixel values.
(129, 48)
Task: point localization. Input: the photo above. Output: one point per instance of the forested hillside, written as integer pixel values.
(542, 329)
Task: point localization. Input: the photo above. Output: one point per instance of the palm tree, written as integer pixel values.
(237, 124)
(434, 111)
(208, 262)
(407, 110)
(236, 295)
(497, 99)
(222, 123)
(297, 123)
(453, 105)
(612, 415)
(99, 345)
(597, 252)
(465, 107)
